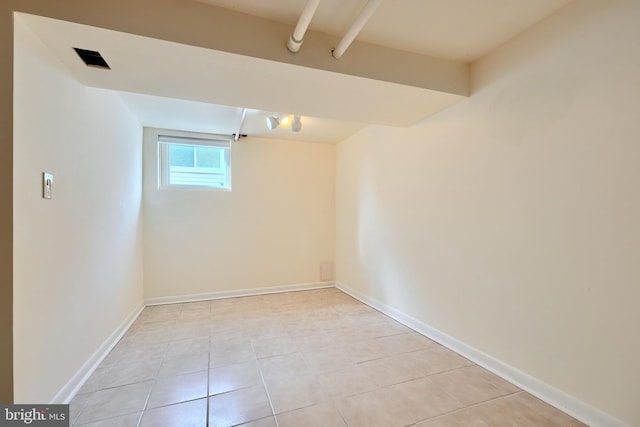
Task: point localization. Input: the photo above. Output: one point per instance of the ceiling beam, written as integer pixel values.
(198, 24)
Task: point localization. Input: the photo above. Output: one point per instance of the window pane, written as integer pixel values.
(189, 165)
(181, 155)
(208, 157)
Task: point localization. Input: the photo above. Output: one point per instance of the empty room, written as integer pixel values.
(337, 213)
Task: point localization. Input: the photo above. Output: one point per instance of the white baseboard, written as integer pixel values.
(238, 293)
(551, 395)
(69, 390)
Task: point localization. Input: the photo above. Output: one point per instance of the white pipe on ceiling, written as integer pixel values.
(365, 14)
(297, 37)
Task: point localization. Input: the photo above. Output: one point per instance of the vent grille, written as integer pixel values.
(92, 58)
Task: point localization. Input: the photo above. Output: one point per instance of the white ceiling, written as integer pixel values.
(461, 30)
(180, 114)
(177, 86)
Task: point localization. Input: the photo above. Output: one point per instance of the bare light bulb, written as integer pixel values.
(285, 121)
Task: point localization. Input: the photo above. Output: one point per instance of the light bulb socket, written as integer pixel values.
(272, 122)
(296, 124)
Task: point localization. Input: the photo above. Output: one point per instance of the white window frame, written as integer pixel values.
(167, 139)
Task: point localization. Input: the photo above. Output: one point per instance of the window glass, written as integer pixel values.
(194, 162)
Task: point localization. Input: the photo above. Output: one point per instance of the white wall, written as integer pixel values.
(77, 257)
(511, 221)
(273, 229)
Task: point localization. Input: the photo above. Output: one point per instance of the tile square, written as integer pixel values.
(133, 352)
(334, 321)
(116, 401)
(434, 360)
(184, 365)
(184, 331)
(390, 370)
(130, 420)
(283, 366)
(465, 418)
(226, 323)
(373, 409)
(263, 422)
(314, 341)
(239, 406)
(273, 346)
(234, 377)
(326, 359)
(404, 343)
(194, 315)
(154, 336)
(383, 328)
(364, 315)
(322, 415)
(188, 414)
(177, 389)
(187, 347)
(345, 382)
(121, 374)
(293, 392)
(363, 351)
(507, 411)
(220, 336)
(301, 328)
(162, 315)
(77, 405)
(552, 414)
(149, 327)
(198, 306)
(472, 385)
(231, 352)
(346, 334)
(425, 398)
(233, 341)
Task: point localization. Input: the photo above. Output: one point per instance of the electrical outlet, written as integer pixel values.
(47, 184)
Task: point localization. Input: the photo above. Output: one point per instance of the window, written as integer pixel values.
(196, 163)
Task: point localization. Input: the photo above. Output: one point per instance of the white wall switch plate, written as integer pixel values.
(47, 184)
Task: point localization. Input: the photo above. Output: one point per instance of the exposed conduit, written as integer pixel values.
(365, 14)
(238, 134)
(297, 37)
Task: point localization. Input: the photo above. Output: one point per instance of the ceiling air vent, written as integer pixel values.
(92, 58)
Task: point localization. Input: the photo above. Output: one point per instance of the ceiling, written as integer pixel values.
(183, 87)
(180, 114)
(460, 30)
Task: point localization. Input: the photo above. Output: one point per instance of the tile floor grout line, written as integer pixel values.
(206, 421)
(155, 379)
(344, 420)
(473, 405)
(105, 419)
(266, 390)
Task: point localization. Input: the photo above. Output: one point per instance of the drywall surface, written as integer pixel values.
(274, 228)
(6, 207)
(510, 221)
(77, 257)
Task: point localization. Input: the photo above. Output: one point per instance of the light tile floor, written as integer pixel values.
(298, 359)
